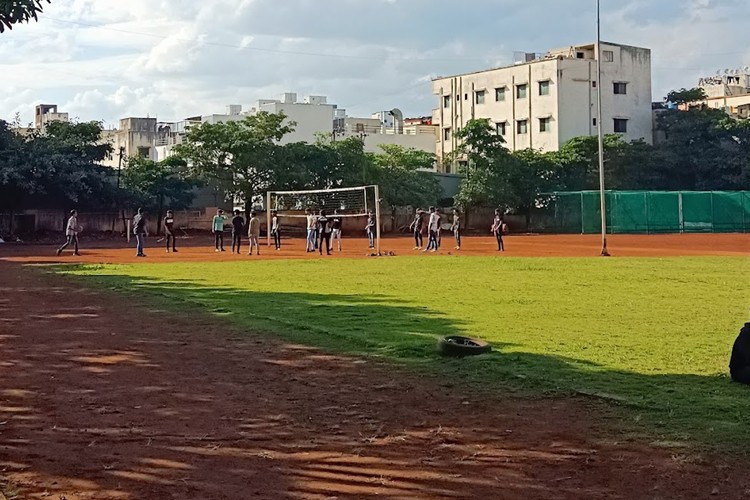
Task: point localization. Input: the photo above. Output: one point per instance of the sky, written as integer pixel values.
(170, 59)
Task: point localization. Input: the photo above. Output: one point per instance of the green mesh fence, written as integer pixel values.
(647, 212)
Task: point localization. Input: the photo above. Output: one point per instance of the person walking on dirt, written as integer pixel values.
(311, 224)
(169, 230)
(456, 228)
(739, 364)
(238, 226)
(433, 228)
(217, 227)
(253, 233)
(370, 228)
(498, 229)
(324, 229)
(336, 226)
(139, 230)
(276, 230)
(417, 227)
(439, 227)
(71, 233)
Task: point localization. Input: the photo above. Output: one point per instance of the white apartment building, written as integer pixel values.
(542, 101)
(387, 127)
(133, 137)
(729, 91)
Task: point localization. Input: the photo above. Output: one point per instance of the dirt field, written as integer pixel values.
(200, 248)
(102, 398)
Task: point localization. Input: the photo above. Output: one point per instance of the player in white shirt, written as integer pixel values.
(71, 233)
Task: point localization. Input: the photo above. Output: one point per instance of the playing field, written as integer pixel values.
(652, 335)
(211, 375)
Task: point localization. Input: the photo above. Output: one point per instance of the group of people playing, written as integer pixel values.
(433, 222)
(323, 231)
(239, 226)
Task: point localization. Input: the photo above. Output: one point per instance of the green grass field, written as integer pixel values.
(651, 337)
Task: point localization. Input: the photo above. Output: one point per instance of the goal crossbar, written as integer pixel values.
(320, 191)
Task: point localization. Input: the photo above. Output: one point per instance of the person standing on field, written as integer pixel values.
(417, 227)
(739, 364)
(433, 228)
(71, 233)
(336, 226)
(238, 226)
(439, 227)
(370, 228)
(140, 232)
(169, 230)
(276, 229)
(253, 233)
(324, 229)
(456, 228)
(217, 227)
(498, 229)
(311, 224)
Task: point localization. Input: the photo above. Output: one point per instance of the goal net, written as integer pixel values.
(345, 202)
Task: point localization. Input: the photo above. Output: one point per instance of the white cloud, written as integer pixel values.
(106, 59)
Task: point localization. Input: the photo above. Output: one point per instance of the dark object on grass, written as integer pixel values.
(739, 365)
(459, 347)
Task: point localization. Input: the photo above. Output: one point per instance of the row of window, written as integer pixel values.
(522, 92)
(545, 125)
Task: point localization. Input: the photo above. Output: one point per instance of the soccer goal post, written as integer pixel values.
(345, 202)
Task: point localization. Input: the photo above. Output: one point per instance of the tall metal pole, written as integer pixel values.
(600, 127)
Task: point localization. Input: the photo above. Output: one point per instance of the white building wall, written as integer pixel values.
(311, 119)
(568, 108)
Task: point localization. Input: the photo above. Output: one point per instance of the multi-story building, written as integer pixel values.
(544, 100)
(388, 127)
(47, 113)
(729, 91)
(134, 137)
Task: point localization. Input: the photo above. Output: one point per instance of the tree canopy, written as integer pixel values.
(19, 11)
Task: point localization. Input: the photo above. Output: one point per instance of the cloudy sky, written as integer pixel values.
(170, 59)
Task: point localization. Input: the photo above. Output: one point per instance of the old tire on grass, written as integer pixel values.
(460, 347)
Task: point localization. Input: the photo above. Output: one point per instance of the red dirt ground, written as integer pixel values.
(102, 398)
(200, 248)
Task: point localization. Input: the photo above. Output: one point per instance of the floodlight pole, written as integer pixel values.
(600, 128)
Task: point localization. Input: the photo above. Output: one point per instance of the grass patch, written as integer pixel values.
(651, 336)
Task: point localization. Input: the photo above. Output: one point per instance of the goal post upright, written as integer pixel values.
(268, 217)
(377, 218)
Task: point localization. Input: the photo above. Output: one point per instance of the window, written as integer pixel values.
(544, 87)
(521, 91)
(466, 97)
(446, 134)
(479, 96)
(501, 128)
(608, 56)
(621, 88)
(593, 84)
(580, 55)
(144, 152)
(500, 94)
(545, 124)
(594, 122)
(621, 126)
(522, 127)
(446, 101)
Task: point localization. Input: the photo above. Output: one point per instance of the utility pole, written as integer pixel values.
(600, 127)
(119, 192)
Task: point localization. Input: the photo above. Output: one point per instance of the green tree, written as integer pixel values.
(687, 96)
(243, 158)
(18, 11)
(157, 186)
(404, 176)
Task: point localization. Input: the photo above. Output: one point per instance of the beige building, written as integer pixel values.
(47, 113)
(544, 100)
(729, 91)
(388, 127)
(134, 137)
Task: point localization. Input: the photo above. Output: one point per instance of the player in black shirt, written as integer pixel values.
(417, 226)
(169, 230)
(324, 230)
(238, 225)
(336, 230)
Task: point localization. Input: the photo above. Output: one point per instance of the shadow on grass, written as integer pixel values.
(679, 409)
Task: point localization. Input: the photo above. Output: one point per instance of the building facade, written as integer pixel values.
(729, 91)
(542, 101)
(47, 113)
(134, 137)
